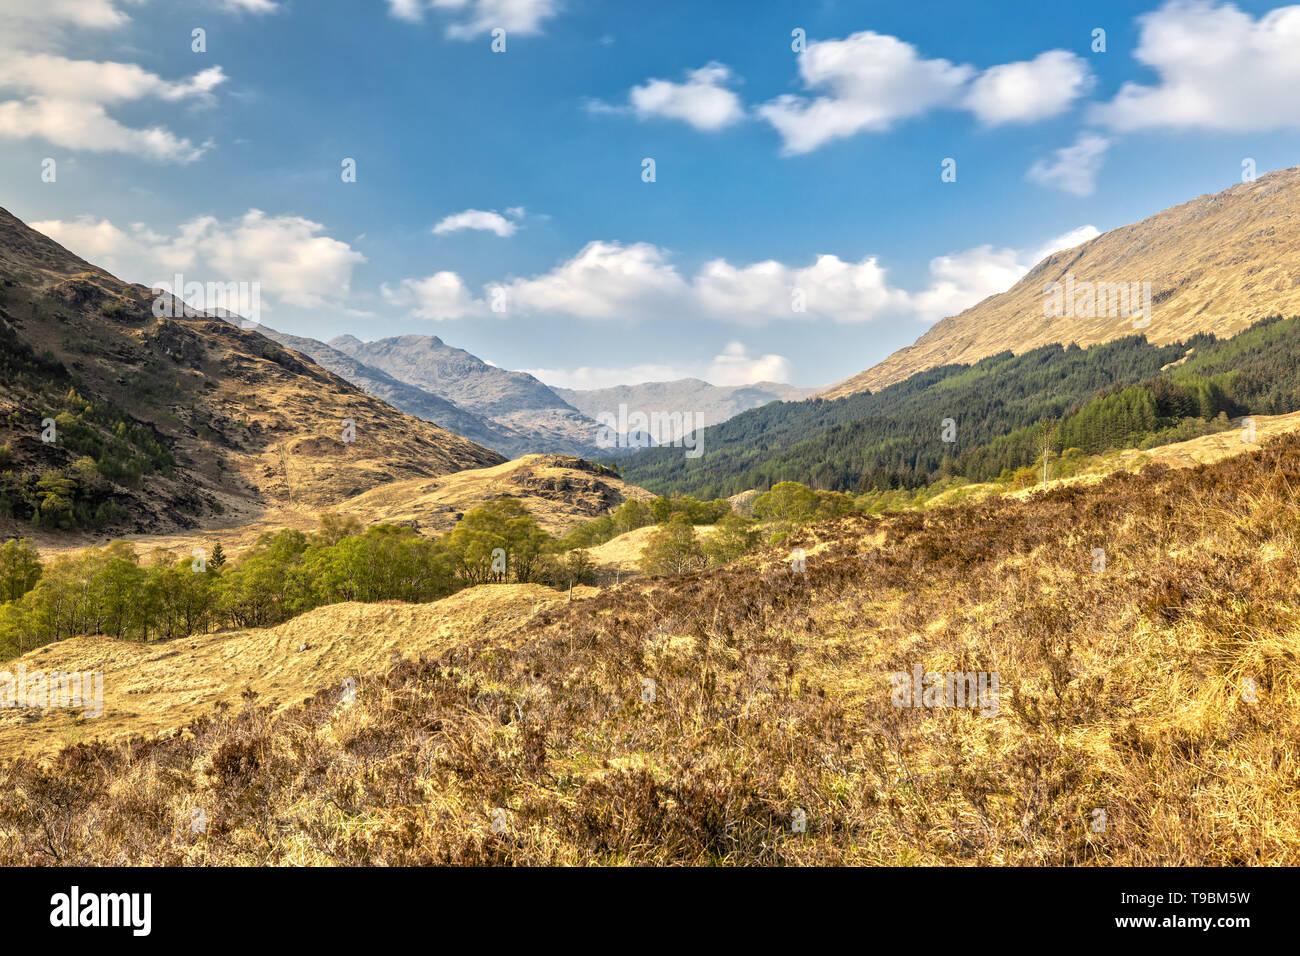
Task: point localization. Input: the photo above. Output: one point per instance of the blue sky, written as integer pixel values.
(515, 179)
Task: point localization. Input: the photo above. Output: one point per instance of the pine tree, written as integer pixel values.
(218, 556)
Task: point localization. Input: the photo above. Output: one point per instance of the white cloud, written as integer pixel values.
(1219, 69)
(604, 280)
(88, 14)
(438, 297)
(250, 6)
(703, 100)
(604, 376)
(609, 280)
(869, 81)
(1073, 169)
(1075, 237)
(58, 78)
(478, 219)
(65, 101)
(412, 11)
(287, 255)
(27, 26)
(964, 279)
(734, 366)
(100, 243)
(959, 281)
(829, 288)
(1031, 90)
(87, 126)
(476, 17)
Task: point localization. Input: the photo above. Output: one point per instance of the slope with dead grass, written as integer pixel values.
(1218, 263)
(1157, 695)
(154, 687)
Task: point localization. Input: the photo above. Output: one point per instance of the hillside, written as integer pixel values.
(1216, 264)
(1158, 690)
(707, 404)
(560, 492)
(171, 684)
(169, 423)
(515, 402)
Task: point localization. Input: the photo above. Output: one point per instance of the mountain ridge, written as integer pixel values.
(112, 417)
(1191, 253)
(710, 404)
(513, 401)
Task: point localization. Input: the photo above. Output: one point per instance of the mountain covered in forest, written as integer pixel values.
(978, 421)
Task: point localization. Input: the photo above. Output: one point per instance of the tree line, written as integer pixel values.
(1124, 393)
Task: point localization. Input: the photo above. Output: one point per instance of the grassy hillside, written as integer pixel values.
(1218, 263)
(113, 419)
(1146, 713)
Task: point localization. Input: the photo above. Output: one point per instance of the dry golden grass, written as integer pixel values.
(154, 687)
(1164, 691)
(558, 490)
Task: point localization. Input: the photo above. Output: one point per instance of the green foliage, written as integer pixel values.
(498, 531)
(577, 568)
(20, 569)
(1125, 393)
(633, 514)
(673, 548)
(732, 537)
(792, 503)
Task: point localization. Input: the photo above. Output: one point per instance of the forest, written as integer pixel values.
(999, 413)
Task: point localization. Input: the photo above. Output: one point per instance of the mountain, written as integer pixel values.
(111, 417)
(708, 404)
(410, 399)
(514, 402)
(1216, 264)
(982, 422)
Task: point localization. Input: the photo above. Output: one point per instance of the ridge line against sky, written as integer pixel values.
(797, 227)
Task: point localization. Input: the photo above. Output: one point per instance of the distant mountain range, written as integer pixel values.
(410, 399)
(526, 416)
(707, 404)
(513, 412)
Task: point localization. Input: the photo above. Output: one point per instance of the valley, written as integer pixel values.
(350, 633)
(541, 708)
